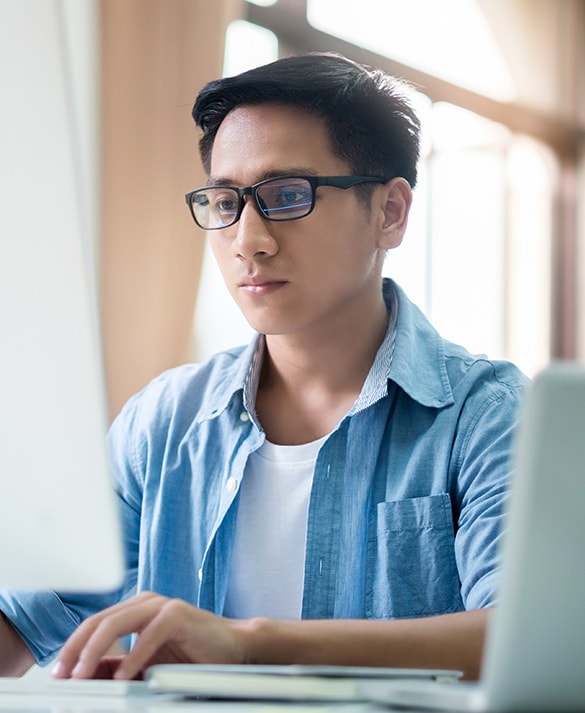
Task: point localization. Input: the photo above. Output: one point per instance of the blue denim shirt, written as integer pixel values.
(408, 491)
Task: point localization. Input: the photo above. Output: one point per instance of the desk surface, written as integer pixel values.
(35, 693)
(38, 692)
(154, 703)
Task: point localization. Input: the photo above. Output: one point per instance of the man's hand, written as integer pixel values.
(172, 631)
(169, 631)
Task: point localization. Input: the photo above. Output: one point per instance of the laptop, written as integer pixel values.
(534, 658)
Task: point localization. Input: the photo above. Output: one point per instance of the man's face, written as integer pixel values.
(306, 276)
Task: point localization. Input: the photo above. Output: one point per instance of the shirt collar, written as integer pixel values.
(419, 364)
(239, 371)
(411, 355)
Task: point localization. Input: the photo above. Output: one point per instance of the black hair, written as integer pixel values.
(370, 121)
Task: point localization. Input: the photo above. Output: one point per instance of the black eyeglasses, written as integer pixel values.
(281, 198)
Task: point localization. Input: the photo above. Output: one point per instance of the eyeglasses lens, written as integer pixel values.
(285, 199)
(215, 207)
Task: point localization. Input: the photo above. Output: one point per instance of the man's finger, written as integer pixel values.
(82, 653)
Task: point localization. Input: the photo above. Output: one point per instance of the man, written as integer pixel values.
(333, 492)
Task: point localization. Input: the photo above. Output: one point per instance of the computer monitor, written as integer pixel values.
(59, 524)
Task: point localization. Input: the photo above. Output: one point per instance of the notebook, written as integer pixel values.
(535, 650)
(291, 682)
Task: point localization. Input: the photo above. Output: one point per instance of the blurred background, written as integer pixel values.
(495, 251)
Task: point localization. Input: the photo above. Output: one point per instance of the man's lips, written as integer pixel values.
(260, 285)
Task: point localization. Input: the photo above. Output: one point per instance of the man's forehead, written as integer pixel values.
(272, 139)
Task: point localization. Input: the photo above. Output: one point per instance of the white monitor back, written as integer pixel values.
(59, 523)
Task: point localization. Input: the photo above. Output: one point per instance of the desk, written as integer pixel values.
(155, 703)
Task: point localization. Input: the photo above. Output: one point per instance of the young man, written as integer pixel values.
(333, 492)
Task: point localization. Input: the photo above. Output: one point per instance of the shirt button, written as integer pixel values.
(232, 485)
(200, 575)
(244, 416)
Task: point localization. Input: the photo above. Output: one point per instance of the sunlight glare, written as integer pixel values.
(450, 39)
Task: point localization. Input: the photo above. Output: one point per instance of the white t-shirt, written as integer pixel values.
(266, 573)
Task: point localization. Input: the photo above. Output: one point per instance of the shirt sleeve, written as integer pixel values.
(45, 619)
(485, 469)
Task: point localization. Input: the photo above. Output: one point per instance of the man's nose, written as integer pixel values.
(254, 236)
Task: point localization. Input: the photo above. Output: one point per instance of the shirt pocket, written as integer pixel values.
(412, 570)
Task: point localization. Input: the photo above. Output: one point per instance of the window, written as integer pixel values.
(477, 255)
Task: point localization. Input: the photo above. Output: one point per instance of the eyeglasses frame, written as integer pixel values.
(342, 182)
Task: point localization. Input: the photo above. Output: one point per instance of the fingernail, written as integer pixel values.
(120, 673)
(57, 668)
(79, 668)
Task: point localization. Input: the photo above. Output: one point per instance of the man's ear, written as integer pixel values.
(395, 200)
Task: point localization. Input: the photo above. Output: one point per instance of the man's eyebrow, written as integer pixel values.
(216, 181)
(276, 173)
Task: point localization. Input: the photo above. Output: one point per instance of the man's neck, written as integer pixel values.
(309, 382)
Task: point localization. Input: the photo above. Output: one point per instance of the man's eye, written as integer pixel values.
(225, 204)
(292, 196)
(288, 197)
